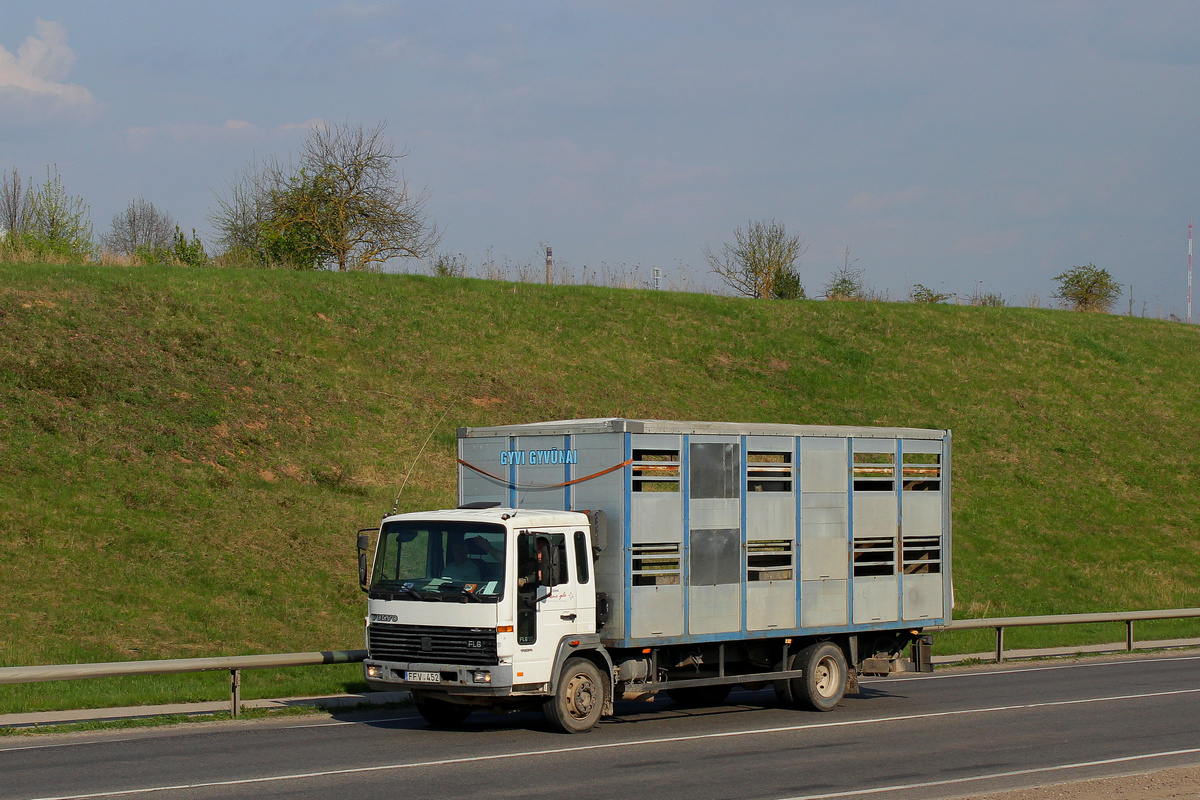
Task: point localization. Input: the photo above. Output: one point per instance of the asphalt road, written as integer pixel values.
(947, 735)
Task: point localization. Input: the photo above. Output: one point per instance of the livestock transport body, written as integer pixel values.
(614, 558)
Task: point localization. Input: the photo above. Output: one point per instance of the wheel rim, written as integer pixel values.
(825, 677)
(581, 696)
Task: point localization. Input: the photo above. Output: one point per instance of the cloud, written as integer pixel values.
(33, 84)
(355, 11)
(867, 202)
(231, 130)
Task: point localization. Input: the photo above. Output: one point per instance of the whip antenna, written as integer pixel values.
(412, 466)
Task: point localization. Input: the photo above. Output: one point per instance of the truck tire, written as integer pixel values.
(697, 696)
(579, 699)
(823, 684)
(441, 714)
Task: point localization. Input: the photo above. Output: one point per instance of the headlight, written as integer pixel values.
(481, 677)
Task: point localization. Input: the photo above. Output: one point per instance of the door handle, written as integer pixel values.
(568, 617)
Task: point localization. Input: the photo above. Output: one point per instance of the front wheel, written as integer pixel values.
(823, 684)
(579, 699)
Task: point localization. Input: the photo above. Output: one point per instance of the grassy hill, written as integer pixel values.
(185, 454)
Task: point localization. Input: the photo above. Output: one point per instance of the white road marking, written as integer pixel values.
(635, 743)
(1014, 773)
(948, 675)
(63, 744)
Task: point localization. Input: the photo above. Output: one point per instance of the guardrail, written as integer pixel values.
(1128, 617)
(234, 664)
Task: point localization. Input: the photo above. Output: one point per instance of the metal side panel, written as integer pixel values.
(770, 515)
(656, 611)
(542, 470)
(656, 517)
(922, 596)
(824, 603)
(823, 465)
(875, 514)
(715, 512)
(715, 609)
(770, 605)
(876, 599)
(824, 533)
(922, 514)
(483, 454)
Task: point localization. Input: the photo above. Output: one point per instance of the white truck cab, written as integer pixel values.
(480, 604)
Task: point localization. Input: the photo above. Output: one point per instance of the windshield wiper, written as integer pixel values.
(471, 594)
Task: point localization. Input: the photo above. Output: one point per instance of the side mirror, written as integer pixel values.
(542, 593)
(364, 542)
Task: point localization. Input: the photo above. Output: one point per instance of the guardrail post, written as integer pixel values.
(235, 692)
(999, 644)
(1129, 635)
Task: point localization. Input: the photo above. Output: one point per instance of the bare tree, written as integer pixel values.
(243, 209)
(342, 206)
(15, 203)
(139, 226)
(763, 255)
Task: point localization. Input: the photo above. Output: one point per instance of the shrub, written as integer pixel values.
(923, 294)
(189, 253)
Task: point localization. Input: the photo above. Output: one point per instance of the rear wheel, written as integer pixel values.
(441, 714)
(823, 684)
(579, 700)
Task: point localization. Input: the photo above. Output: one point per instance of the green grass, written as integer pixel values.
(186, 454)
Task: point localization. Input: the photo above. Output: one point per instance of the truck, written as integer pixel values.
(594, 560)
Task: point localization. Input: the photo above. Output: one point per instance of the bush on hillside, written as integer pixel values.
(1087, 288)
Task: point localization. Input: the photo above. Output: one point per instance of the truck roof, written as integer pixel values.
(515, 517)
(621, 425)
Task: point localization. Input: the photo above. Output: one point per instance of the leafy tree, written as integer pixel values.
(1087, 288)
(762, 255)
(140, 229)
(343, 206)
(57, 224)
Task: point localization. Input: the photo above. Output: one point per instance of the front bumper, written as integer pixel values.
(452, 678)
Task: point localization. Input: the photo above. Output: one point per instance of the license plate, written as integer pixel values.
(423, 677)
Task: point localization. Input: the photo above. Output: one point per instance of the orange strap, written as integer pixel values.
(511, 485)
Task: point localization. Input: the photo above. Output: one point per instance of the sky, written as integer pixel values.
(966, 146)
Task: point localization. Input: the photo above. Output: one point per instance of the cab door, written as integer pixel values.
(547, 602)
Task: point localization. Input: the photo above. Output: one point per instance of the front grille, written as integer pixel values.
(433, 644)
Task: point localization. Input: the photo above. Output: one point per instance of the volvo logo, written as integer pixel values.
(426, 642)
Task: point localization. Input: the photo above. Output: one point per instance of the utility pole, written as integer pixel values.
(549, 265)
(1189, 272)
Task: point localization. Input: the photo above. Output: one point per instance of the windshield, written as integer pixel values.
(432, 560)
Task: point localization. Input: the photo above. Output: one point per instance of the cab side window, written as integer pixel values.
(582, 557)
(558, 543)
